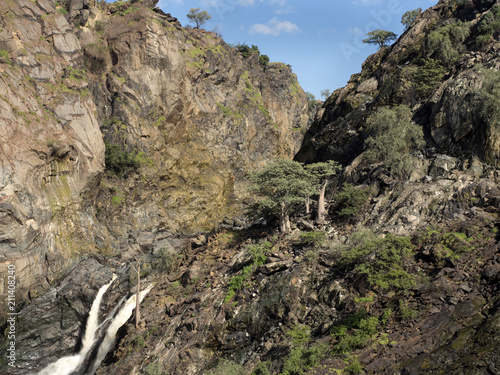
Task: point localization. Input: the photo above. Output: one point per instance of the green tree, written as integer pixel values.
(320, 174)
(281, 186)
(198, 17)
(380, 37)
(394, 138)
(409, 17)
(326, 94)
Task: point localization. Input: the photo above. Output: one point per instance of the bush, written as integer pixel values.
(301, 359)
(381, 261)
(312, 239)
(446, 42)
(121, 162)
(166, 260)
(225, 367)
(354, 366)
(351, 200)
(354, 332)
(393, 138)
(428, 76)
(263, 60)
(262, 368)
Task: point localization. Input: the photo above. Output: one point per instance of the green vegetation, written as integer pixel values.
(312, 239)
(409, 17)
(262, 368)
(301, 357)
(351, 201)
(225, 367)
(488, 26)
(121, 162)
(394, 137)
(281, 186)
(154, 368)
(166, 260)
(4, 55)
(380, 37)
(428, 75)
(446, 42)
(489, 97)
(381, 260)
(247, 51)
(354, 332)
(258, 255)
(198, 17)
(354, 366)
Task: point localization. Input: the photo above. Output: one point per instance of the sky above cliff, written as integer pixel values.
(321, 40)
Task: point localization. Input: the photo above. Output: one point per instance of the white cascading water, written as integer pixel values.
(121, 318)
(66, 365)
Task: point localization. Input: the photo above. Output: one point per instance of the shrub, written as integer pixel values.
(313, 239)
(354, 366)
(262, 368)
(300, 334)
(351, 200)
(446, 42)
(354, 332)
(4, 55)
(166, 260)
(225, 367)
(264, 60)
(301, 359)
(428, 76)
(393, 138)
(120, 162)
(381, 261)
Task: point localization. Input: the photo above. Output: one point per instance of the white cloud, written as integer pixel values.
(247, 3)
(274, 27)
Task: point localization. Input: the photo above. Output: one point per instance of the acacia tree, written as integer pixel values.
(409, 17)
(281, 185)
(380, 37)
(198, 17)
(320, 174)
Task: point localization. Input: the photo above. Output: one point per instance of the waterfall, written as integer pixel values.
(66, 365)
(120, 319)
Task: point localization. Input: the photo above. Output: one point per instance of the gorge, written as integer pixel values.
(126, 136)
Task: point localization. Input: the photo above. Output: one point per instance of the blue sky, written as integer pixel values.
(320, 39)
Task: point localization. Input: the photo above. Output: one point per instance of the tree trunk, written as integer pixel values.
(137, 299)
(284, 220)
(308, 205)
(321, 204)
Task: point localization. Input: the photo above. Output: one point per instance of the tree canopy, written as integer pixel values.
(198, 17)
(394, 137)
(282, 186)
(409, 17)
(380, 37)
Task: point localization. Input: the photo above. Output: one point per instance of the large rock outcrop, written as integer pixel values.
(195, 115)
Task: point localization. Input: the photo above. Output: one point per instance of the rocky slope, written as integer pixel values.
(408, 285)
(192, 114)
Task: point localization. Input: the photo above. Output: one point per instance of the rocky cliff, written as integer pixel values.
(187, 109)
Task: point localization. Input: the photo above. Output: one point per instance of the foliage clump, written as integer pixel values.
(247, 51)
(446, 42)
(198, 17)
(121, 162)
(351, 201)
(409, 17)
(381, 260)
(354, 332)
(393, 139)
(380, 37)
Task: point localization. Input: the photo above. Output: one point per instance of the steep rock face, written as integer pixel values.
(202, 115)
(196, 116)
(52, 151)
(440, 67)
